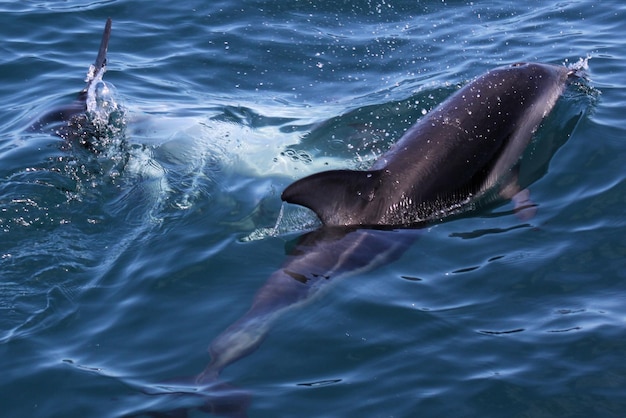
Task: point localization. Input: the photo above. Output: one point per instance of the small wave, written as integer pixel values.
(290, 219)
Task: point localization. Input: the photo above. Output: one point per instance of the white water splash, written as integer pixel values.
(100, 99)
(579, 67)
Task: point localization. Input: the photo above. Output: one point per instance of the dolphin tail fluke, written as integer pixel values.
(337, 197)
(104, 45)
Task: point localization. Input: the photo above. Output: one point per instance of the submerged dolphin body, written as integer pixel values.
(66, 121)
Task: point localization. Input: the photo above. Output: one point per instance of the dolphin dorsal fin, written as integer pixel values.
(101, 59)
(338, 197)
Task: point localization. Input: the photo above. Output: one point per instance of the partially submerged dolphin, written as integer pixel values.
(463, 153)
(468, 146)
(69, 120)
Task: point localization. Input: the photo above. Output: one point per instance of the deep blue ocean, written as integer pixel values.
(118, 267)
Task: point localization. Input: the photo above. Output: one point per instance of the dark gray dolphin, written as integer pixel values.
(61, 119)
(464, 151)
(449, 160)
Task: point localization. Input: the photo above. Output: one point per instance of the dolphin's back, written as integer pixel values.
(459, 151)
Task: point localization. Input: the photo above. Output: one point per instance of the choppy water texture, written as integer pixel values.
(118, 267)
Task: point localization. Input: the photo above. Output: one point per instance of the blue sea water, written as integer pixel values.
(119, 267)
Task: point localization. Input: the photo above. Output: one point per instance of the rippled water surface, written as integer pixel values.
(121, 263)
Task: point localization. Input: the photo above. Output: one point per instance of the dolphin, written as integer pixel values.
(73, 117)
(463, 154)
(449, 160)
